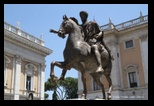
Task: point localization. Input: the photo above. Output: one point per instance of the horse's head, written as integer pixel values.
(65, 27)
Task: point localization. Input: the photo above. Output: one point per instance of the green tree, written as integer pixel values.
(71, 86)
(46, 96)
(65, 89)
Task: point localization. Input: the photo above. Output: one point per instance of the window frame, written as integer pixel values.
(132, 68)
(133, 44)
(28, 84)
(132, 81)
(30, 69)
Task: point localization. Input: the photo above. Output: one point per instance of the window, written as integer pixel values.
(132, 76)
(30, 70)
(132, 79)
(95, 86)
(28, 83)
(129, 44)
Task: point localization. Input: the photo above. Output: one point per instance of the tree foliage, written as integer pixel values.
(49, 86)
(65, 89)
(71, 87)
(46, 96)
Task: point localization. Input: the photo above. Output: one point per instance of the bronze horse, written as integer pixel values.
(77, 54)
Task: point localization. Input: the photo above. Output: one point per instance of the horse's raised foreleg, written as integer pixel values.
(83, 78)
(96, 78)
(62, 74)
(60, 65)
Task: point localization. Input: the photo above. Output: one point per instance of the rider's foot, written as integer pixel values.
(100, 69)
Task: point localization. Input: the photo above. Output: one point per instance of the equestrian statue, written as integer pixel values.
(85, 51)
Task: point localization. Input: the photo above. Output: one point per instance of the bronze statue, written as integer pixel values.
(78, 55)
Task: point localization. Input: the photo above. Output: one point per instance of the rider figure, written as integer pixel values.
(94, 37)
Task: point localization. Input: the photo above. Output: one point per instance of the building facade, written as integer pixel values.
(128, 42)
(24, 65)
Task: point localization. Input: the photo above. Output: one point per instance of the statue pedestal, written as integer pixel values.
(98, 99)
(86, 99)
(83, 98)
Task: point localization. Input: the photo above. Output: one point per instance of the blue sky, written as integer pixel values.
(37, 19)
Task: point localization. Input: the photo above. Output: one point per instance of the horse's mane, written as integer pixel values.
(75, 20)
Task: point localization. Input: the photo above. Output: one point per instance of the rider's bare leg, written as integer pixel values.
(98, 58)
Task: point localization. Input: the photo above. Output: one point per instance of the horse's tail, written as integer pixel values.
(108, 67)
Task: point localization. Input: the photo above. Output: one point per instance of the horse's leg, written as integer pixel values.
(107, 75)
(62, 74)
(96, 78)
(60, 65)
(83, 78)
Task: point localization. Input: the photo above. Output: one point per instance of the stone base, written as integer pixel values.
(83, 96)
(86, 99)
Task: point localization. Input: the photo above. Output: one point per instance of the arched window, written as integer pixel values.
(29, 76)
(132, 76)
(6, 62)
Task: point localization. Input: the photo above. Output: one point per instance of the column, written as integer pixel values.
(13, 74)
(42, 81)
(39, 81)
(119, 63)
(144, 54)
(115, 74)
(17, 77)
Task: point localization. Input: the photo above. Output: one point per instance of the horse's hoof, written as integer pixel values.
(54, 80)
(52, 75)
(83, 96)
(109, 96)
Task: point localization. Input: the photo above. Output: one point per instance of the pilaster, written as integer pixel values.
(42, 81)
(115, 73)
(144, 54)
(17, 76)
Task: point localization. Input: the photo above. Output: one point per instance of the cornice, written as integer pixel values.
(110, 32)
(19, 40)
(133, 28)
(121, 32)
